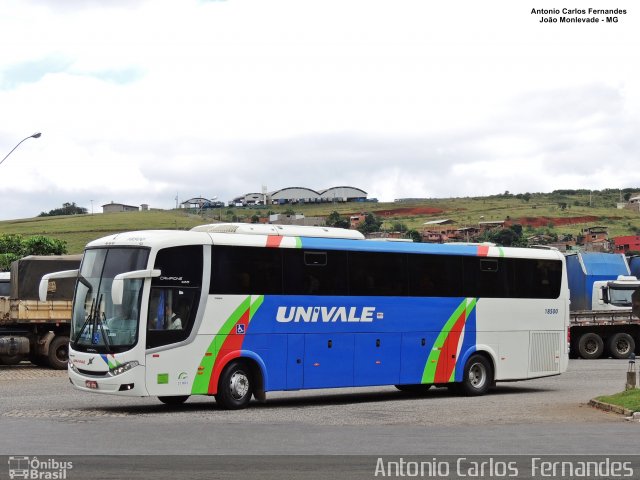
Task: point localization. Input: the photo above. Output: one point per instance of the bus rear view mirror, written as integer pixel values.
(117, 287)
(43, 288)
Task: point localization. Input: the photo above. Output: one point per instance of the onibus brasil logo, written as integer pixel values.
(33, 468)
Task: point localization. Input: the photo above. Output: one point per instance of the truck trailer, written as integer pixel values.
(29, 328)
(602, 321)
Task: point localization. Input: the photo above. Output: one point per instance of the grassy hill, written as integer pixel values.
(560, 212)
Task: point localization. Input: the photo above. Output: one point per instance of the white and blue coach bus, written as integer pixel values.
(236, 310)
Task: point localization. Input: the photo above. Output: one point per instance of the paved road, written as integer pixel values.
(41, 414)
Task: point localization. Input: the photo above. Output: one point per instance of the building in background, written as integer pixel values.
(625, 243)
(295, 195)
(119, 207)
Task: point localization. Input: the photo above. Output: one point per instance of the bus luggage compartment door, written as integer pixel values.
(328, 360)
(377, 359)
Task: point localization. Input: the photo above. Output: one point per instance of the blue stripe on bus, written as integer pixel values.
(396, 247)
(318, 342)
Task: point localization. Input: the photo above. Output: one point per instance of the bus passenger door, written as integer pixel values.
(295, 361)
(377, 359)
(328, 360)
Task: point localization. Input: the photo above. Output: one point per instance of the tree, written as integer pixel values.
(13, 247)
(67, 209)
(336, 220)
(370, 224)
(415, 236)
(399, 227)
(507, 237)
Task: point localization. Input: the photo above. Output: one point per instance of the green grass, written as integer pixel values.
(629, 399)
(78, 230)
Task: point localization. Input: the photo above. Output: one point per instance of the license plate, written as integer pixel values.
(91, 384)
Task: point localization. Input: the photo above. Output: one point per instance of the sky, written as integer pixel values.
(148, 101)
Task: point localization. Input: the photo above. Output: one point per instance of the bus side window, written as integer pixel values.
(314, 272)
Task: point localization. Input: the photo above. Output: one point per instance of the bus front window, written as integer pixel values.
(98, 325)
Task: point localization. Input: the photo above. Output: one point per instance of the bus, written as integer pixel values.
(275, 308)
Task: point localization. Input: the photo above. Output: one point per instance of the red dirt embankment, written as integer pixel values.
(544, 221)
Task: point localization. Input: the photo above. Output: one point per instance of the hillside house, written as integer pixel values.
(625, 243)
(118, 207)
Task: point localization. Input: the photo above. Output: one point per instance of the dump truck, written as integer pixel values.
(31, 329)
(602, 320)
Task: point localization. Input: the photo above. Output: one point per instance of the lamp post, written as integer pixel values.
(35, 135)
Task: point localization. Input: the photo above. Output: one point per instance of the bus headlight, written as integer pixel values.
(125, 367)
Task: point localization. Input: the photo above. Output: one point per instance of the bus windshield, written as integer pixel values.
(98, 325)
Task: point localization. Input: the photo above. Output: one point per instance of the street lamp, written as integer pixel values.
(35, 135)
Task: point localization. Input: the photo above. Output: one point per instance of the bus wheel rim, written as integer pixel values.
(477, 375)
(239, 385)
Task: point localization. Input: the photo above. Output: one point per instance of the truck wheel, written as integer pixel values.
(621, 345)
(10, 359)
(590, 346)
(477, 376)
(235, 386)
(58, 356)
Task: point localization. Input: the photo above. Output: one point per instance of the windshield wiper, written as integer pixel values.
(96, 322)
(99, 323)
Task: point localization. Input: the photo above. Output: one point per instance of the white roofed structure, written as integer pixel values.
(343, 194)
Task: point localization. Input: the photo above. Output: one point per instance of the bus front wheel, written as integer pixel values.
(477, 376)
(235, 386)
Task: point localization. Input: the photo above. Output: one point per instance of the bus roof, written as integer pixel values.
(168, 238)
(280, 230)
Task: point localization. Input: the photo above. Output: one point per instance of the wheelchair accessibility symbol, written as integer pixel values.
(240, 328)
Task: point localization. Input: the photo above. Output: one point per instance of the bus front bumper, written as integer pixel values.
(130, 383)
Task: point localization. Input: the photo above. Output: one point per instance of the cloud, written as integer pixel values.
(140, 101)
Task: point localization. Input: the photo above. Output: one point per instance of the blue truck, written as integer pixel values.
(602, 289)
(634, 266)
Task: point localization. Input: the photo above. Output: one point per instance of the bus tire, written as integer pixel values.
(621, 345)
(417, 388)
(477, 376)
(590, 346)
(174, 401)
(10, 359)
(235, 386)
(58, 356)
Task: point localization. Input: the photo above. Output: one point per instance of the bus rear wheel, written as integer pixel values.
(235, 386)
(477, 376)
(621, 345)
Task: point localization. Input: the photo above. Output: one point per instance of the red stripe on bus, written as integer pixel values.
(274, 241)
